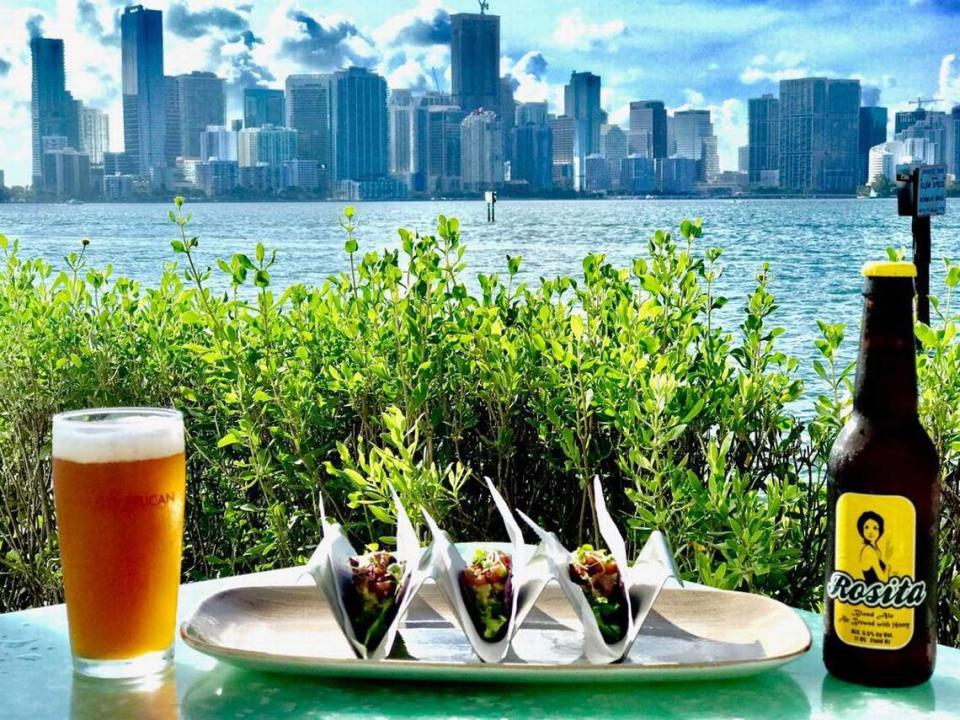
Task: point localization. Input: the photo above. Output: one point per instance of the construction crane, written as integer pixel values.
(484, 5)
(920, 101)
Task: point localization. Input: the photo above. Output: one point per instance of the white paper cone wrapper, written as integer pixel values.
(530, 571)
(642, 581)
(330, 568)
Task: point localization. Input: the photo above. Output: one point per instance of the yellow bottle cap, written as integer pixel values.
(889, 268)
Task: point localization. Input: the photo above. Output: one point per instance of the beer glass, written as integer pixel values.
(119, 483)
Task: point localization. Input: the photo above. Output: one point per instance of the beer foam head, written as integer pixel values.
(117, 435)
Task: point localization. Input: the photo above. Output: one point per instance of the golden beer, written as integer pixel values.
(119, 483)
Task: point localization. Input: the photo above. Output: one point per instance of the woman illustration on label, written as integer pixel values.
(872, 565)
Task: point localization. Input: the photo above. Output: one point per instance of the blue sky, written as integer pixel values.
(691, 53)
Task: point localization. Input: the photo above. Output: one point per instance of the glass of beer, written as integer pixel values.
(119, 483)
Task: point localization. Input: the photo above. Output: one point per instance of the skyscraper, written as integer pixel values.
(531, 112)
(690, 127)
(819, 135)
(263, 106)
(266, 145)
(613, 146)
(218, 143)
(443, 147)
(309, 107)
(475, 61)
(648, 128)
(481, 151)
(172, 136)
(50, 105)
(202, 102)
(359, 125)
(144, 119)
(873, 131)
(532, 154)
(400, 113)
(763, 138)
(581, 101)
(94, 134)
(932, 134)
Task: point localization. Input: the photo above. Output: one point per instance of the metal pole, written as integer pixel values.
(921, 258)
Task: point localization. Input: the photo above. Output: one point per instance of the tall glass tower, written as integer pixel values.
(359, 125)
(819, 135)
(144, 118)
(475, 61)
(763, 138)
(51, 105)
(581, 101)
(648, 128)
(308, 107)
(263, 106)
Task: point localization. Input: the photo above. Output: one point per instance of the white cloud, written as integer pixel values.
(948, 85)
(575, 31)
(529, 72)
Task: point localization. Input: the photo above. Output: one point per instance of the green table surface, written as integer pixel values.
(36, 681)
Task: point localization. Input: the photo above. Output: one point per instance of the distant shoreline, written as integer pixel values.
(272, 201)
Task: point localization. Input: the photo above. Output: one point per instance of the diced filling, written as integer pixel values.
(376, 591)
(486, 586)
(597, 574)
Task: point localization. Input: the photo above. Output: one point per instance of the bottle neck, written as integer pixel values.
(886, 382)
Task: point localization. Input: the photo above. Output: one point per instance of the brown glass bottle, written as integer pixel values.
(883, 503)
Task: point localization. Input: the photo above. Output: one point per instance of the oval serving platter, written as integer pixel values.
(690, 634)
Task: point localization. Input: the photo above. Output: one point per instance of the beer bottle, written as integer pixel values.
(883, 504)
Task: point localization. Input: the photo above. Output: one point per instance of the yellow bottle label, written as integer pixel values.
(873, 586)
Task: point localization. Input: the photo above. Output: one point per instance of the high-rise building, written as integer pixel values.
(676, 175)
(873, 131)
(638, 174)
(763, 136)
(359, 125)
(217, 177)
(420, 142)
(443, 148)
(531, 112)
(883, 160)
(507, 112)
(202, 102)
(581, 98)
(743, 159)
(50, 104)
(309, 106)
(690, 127)
(144, 118)
(400, 114)
(710, 161)
(475, 60)
(217, 142)
(532, 154)
(481, 151)
(613, 146)
(819, 135)
(596, 173)
(564, 139)
(173, 137)
(266, 145)
(263, 106)
(94, 134)
(66, 173)
(648, 128)
(932, 129)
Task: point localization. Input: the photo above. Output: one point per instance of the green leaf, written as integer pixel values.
(177, 246)
(228, 439)
(576, 326)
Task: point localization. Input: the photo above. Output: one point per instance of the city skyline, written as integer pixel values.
(539, 50)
